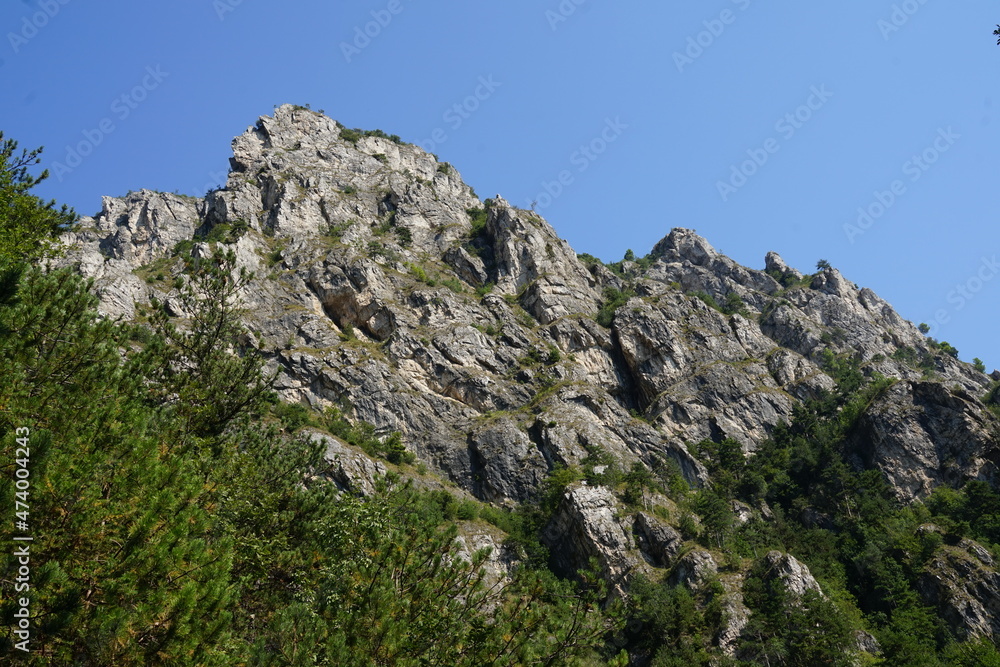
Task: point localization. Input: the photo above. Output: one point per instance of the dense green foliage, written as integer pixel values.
(355, 135)
(27, 224)
(671, 627)
(866, 549)
(613, 300)
(628, 266)
(801, 632)
(129, 562)
(992, 399)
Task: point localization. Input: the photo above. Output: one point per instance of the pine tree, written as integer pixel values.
(393, 589)
(126, 566)
(28, 225)
(195, 366)
(128, 569)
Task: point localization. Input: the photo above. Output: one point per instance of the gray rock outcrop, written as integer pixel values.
(383, 285)
(793, 575)
(961, 581)
(585, 527)
(366, 268)
(923, 434)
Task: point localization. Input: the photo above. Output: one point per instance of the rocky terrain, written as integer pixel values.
(383, 284)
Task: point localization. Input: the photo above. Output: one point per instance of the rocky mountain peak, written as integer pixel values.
(684, 245)
(479, 308)
(384, 284)
(774, 264)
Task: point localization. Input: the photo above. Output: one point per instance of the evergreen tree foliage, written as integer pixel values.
(194, 368)
(27, 224)
(128, 570)
(796, 631)
(669, 627)
(396, 589)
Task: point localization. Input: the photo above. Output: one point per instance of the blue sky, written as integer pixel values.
(863, 133)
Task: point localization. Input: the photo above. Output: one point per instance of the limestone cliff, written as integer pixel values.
(382, 282)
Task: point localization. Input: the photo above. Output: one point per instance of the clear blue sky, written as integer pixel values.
(869, 86)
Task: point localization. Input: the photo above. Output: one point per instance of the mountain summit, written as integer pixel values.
(384, 284)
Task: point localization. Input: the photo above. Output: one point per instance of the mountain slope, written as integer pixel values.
(455, 326)
(385, 286)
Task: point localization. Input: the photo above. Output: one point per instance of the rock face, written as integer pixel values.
(585, 527)
(796, 577)
(736, 616)
(923, 434)
(701, 374)
(694, 569)
(128, 233)
(350, 470)
(500, 560)
(963, 584)
(530, 258)
(658, 542)
(384, 284)
(368, 262)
